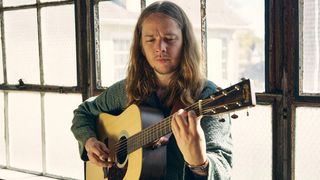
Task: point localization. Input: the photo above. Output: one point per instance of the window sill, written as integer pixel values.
(10, 174)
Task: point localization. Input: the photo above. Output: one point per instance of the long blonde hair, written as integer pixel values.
(186, 83)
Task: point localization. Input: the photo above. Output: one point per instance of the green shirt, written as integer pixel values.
(113, 101)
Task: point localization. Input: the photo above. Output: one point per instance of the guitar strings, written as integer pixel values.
(165, 122)
(135, 141)
(123, 147)
(123, 151)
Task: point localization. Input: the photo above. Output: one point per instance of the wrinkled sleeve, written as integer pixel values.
(218, 138)
(217, 130)
(219, 145)
(84, 121)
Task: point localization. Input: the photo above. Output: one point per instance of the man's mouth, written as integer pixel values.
(163, 60)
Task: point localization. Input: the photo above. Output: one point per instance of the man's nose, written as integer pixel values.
(161, 46)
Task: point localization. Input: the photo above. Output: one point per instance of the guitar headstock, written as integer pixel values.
(235, 97)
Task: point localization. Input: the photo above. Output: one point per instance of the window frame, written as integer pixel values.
(282, 80)
(41, 88)
(309, 99)
(282, 61)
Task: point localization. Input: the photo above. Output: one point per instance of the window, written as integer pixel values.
(307, 95)
(65, 50)
(252, 139)
(307, 126)
(21, 46)
(116, 25)
(235, 49)
(235, 37)
(38, 73)
(310, 47)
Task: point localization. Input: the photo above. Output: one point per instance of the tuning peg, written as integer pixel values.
(243, 79)
(222, 120)
(234, 116)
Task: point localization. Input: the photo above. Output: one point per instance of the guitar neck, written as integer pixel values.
(149, 134)
(234, 97)
(154, 132)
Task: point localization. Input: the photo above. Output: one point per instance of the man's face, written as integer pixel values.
(162, 43)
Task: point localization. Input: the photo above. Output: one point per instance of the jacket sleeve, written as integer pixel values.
(218, 142)
(83, 127)
(217, 131)
(218, 139)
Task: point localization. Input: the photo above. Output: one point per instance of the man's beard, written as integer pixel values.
(169, 71)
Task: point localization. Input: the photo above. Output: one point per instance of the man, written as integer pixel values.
(164, 72)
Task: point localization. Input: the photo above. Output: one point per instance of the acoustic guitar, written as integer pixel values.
(128, 134)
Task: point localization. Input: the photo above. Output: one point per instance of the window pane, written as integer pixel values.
(25, 130)
(22, 52)
(52, 0)
(311, 43)
(307, 142)
(59, 46)
(235, 41)
(17, 2)
(116, 25)
(192, 9)
(60, 143)
(2, 132)
(252, 144)
(1, 65)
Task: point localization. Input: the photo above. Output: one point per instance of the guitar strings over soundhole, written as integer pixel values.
(122, 151)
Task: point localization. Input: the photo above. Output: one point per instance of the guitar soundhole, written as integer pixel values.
(122, 151)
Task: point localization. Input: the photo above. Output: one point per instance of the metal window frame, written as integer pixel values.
(309, 99)
(283, 79)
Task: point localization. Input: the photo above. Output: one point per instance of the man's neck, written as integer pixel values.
(164, 80)
(163, 84)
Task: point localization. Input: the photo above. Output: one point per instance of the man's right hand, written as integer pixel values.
(97, 152)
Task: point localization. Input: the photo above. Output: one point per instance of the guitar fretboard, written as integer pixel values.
(153, 132)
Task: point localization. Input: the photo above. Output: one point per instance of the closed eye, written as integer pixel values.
(170, 39)
(150, 40)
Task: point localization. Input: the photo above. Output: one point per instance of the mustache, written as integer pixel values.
(162, 56)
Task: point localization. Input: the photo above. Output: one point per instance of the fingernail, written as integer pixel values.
(180, 111)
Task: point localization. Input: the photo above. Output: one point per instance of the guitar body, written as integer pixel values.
(143, 163)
